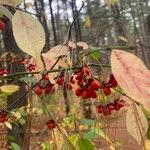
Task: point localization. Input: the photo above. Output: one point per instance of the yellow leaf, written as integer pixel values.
(88, 22)
(9, 88)
(123, 39)
(17, 115)
(10, 2)
(29, 34)
(8, 125)
(57, 51)
(58, 136)
(52, 55)
(136, 122)
(83, 45)
(147, 145)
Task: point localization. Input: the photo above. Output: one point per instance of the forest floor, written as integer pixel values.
(115, 130)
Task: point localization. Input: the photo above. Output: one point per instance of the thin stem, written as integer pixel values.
(26, 11)
(70, 29)
(49, 71)
(18, 100)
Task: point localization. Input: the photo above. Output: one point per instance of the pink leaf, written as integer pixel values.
(132, 75)
(50, 58)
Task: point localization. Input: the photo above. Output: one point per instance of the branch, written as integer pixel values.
(69, 31)
(26, 11)
(18, 100)
(123, 94)
(49, 71)
(107, 48)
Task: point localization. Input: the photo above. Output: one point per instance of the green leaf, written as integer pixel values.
(74, 139)
(102, 134)
(96, 54)
(15, 146)
(85, 144)
(22, 121)
(28, 79)
(117, 143)
(146, 112)
(90, 135)
(69, 121)
(47, 145)
(11, 138)
(4, 95)
(148, 133)
(88, 122)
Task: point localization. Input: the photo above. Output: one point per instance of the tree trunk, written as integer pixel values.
(53, 23)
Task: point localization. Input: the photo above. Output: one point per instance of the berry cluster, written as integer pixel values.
(3, 72)
(106, 86)
(45, 86)
(31, 67)
(3, 117)
(108, 108)
(61, 81)
(51, 124)
(2, 25)
(87, 86)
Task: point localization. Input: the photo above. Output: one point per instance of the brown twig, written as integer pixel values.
(49, 71)
(18, 100)
(26, 11)
(71, 26)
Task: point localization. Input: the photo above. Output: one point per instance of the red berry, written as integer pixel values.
(49, 89)
(2, 25)
(39, 90)
(46, 77)
(79, 76)
(85, 70)
(72, 80)
(112, 81)
(5, 71)
(111, 106)
(51, 124)
(3, 117)
(90, 89)
(85, 94)
(93, 94)
(1, 72)
(60, 80)
(100, 109)
(119, 104)
(79, 91)
(31, 67)
(95, 85)
(106, 91)
(106, 111)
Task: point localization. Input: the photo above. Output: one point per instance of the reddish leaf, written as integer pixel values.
(50, 58)
(132, 75)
